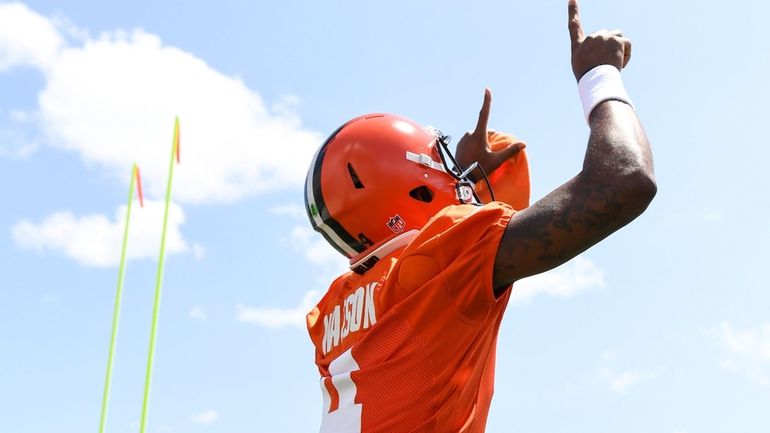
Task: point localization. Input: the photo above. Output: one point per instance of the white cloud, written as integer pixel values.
(609, 355)
(577, 276)
(746, 352)
(206, 417)
(291, 210)
(197, 313)
(328, 265)
(18, 131)
(95, 240)
(679, 431)
(27, 38)
(14, 143)
(198, 251)
(69, 29)
(620, 381)
(20, 116)
(112, 99)
(279, 317)
(316, 250)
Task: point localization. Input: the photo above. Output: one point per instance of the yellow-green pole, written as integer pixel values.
(158, 283)
(118, 297)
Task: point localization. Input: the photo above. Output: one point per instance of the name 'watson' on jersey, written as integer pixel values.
(356, 312)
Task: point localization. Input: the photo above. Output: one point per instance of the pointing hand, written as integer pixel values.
(605, 47)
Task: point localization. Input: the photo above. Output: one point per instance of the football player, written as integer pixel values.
(405, 341)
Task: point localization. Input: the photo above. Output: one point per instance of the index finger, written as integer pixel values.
(575, 28)
(481, 125)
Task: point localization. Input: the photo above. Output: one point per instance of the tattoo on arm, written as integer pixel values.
(616, 185)
(562, 225)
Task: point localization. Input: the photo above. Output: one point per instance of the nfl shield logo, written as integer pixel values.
(396, 224)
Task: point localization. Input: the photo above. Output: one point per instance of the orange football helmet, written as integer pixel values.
(376, 181)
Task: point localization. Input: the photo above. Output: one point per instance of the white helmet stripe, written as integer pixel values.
(315, 215)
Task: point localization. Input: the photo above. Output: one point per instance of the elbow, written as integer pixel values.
(640, 189)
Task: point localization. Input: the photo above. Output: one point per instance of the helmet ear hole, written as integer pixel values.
(422, 193)
(354, 177)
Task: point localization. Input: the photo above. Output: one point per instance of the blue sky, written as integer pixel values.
(663, 328)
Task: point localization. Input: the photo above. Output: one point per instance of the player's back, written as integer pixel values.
(408, 346)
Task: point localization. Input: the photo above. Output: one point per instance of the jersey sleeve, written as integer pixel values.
(511, 181)
(458, 246)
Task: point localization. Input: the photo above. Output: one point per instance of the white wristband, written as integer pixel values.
(600, 84)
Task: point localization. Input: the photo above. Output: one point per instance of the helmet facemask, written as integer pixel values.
(466, 193)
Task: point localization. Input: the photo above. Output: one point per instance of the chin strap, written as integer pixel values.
(368, 261)
(466, 193)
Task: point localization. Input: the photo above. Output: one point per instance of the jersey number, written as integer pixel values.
(341, 414)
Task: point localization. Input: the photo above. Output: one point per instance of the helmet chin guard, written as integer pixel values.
(377, 180)
(466, 192)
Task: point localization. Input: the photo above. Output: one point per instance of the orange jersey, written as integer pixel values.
(409, 346)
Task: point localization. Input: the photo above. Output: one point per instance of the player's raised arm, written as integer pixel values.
(616, 184)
